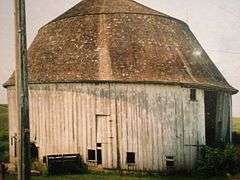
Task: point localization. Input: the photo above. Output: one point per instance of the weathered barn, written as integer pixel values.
(124, 86)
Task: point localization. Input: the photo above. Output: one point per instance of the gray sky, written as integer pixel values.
(215, 23)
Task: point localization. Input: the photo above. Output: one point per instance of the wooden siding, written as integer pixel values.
(153, 121)
(223, 118)
(13, 125)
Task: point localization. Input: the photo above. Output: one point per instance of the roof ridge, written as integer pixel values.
(147, 7)
(89, 7)
(91, 14)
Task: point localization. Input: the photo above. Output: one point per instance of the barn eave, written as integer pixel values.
(209, 87)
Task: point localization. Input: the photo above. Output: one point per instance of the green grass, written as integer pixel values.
(236, 125)
(3, 117)
(3, 133)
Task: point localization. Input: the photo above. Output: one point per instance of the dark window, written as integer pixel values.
(169, 161)
(130, 157)
(34, 152)
(99, 156)
(91, 155)
(15, 151)
(99, 145)
(193, 95)
(11, 141)
(15, 146)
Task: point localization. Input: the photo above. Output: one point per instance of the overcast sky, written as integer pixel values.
(215, 23)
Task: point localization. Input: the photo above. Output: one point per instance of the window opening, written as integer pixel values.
(91, 155)
(193, 94)
(169, 161)
(34, 152)
(99, 145)
(130, 157)
(99, 156)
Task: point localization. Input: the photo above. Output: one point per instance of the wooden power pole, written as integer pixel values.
(21, 78)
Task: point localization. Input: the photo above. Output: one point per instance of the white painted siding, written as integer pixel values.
(151, 120)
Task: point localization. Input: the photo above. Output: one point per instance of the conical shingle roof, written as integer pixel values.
(120, 41)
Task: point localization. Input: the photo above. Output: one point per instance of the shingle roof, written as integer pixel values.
(120, 41)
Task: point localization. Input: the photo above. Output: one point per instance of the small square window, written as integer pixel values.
(169, 161)
(91, 155)
(130, 157)
(193, 94)
(99, 144)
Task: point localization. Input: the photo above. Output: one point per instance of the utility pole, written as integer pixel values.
(21, 84)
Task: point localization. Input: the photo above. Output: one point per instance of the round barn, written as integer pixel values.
(124, 86)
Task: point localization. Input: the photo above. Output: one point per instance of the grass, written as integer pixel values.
(3, 133)
(3, 117)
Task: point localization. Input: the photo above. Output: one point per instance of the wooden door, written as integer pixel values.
(102, 140)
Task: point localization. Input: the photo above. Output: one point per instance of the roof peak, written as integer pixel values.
(90, 7)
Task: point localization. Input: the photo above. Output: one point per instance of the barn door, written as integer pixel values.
(102, 140)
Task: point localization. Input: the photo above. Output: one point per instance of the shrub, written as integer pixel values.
(38, 166)
(218, 160)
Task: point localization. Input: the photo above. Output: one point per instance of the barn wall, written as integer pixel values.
(13, 125)
(153, 121)
(223, 117)
(218, 117)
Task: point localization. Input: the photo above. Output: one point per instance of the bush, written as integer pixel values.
(38, 166)
(218, 160)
